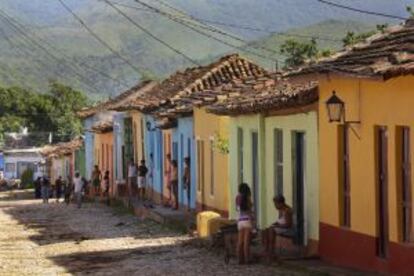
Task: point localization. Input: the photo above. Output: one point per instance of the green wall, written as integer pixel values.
(264, 126)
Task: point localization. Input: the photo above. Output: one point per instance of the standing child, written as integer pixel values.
(96, 180)
(106, 187)
(174, 183)
(142, 179)
(187, 180)
(245, 222)
(58, 188)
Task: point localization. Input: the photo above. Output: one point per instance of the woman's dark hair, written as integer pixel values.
(245, 193)
(279, 199)
(174, 163)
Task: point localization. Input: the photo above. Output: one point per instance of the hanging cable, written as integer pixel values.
(361, 11)
(46, 51)
(150, 34)
(78, 65)
(206, 34)
(98, 38)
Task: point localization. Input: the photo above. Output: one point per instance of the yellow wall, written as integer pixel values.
(104, 153)
(374, 103)
(208, 127)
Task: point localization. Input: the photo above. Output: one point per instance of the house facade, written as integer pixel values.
(166, 107)
(212, 161)
(274, 149)
(17, 161)
(366, 184)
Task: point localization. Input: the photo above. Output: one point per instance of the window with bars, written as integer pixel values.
(278, 161)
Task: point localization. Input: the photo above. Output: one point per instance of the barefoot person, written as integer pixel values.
(174, 183)
(132, 177)
(187, 180)
(78, 187)
(283, 225)
(106, 187)
(245, 222)
(96, 180)
(142, 180)
(168, 178)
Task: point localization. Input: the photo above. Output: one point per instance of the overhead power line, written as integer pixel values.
(7, 18)
(133, 22)
(98, 38)
(68, 58)
(248, 28)
(361, 10)
(184, 23)
(200, 24)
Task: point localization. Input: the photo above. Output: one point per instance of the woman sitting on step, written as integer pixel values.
(282, 226)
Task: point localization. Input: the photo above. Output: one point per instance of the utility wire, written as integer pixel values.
(78, 65)
(248, 28)
(204, 26)
(7, 18)
(361, 11)
(171, 17)
(98, 38)
(150, 34)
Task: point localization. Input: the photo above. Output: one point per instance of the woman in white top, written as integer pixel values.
(77, 187)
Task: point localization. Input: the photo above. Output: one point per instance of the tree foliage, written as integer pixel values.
(297, 53)
(53, 111)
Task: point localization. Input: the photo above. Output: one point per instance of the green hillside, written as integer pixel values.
(22, 63)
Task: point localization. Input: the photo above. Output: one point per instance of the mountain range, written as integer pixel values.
(50, 44)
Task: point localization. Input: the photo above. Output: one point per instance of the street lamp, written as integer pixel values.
(336, 110)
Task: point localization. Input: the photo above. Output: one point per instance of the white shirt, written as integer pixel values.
(77, 182)
(132, 171)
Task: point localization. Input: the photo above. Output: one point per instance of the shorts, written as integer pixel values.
(282, 231)
(244, 224)
(132, 180)
(142, 182)
(96, 183)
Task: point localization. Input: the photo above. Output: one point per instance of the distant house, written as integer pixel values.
(60, 159)
(17, 161)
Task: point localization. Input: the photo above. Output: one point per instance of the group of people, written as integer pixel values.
(171, 174)
(98, 180)
(246, 224)
(76, 186)
(137, 177)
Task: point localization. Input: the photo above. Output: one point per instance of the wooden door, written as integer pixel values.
(406, 184)
(382, 195)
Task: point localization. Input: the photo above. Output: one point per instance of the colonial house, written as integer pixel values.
(171, 123)
(274, 149)
(104, 149)
(122, 145)
(17, 161)
(365, 132)
(60, 159)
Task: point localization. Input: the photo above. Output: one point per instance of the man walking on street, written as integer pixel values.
(142, 180)
(45, 189)
(78, 186)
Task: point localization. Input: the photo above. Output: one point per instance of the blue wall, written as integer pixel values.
(1, 162)
(118, 143)
(154, 144)
(183, 146)
(89, 146)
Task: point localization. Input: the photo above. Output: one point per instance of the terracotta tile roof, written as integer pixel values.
(120, 100)
(196, 79)
(386, 55)
(103, 127)
(263, 96)
(61, 149)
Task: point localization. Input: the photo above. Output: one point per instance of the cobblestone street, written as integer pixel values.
(55, 239)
